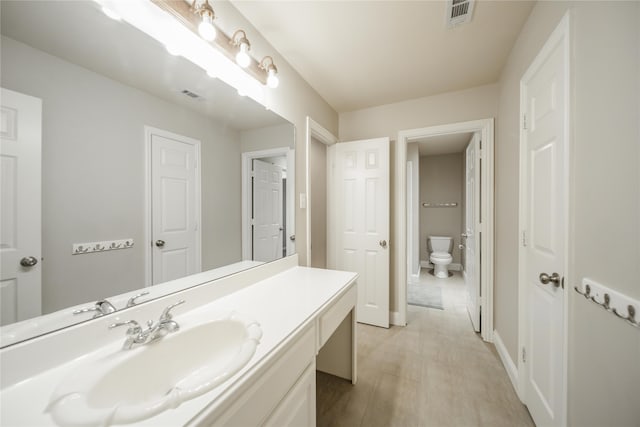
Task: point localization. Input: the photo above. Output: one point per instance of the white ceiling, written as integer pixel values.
(443, 144)
(359, 54)
(80, 33)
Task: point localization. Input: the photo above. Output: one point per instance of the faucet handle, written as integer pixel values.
(101, 308)
(165, 313)
(132, 300)
(105, 307)
(87, 310)
(134, 326)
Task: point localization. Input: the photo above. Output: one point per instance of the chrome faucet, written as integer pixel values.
(137, 336)
(101, 308)
(132, 301)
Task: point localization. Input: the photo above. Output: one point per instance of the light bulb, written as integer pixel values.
(206, 29)
(242, 58)
(272, 80)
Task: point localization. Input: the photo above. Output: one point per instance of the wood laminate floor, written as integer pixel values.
(434, 372)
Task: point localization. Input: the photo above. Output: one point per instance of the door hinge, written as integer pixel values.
(524, 121)
(252, 174)
(524, 238)
(252, 221)
(524, 355)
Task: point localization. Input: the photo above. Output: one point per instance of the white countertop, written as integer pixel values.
(281, 304)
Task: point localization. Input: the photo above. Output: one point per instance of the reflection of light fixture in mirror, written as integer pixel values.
(239, 39)
(173, 49)
(236, 48)
(205, 28)
(272, 79)
(111, 14)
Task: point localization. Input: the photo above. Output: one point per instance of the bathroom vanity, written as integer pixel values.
(305, 318)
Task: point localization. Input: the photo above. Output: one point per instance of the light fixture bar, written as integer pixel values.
(184, 14)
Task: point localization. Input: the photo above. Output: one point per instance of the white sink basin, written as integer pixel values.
(133, 385)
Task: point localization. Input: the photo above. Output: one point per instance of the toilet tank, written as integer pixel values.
(440, 243)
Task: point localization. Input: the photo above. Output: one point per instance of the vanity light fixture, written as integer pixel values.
(240, 40)
(206, 29)
(272, 79)
(195, 14)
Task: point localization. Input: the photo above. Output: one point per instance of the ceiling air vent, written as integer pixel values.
(190, 94)
(459, 12)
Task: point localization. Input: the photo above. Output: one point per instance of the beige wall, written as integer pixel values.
(267, 137)
(604, 352)
(318, 202)
(93, 175)
(387, 120)
(441, 180)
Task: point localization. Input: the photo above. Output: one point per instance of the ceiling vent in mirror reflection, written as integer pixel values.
(190, 94)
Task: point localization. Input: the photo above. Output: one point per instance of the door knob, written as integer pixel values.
(28, 261)
(464, 235)
(159, 243)
(383, 243)
(292, 237)
(554, 278)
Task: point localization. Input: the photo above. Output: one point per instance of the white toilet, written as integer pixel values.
(440, 256)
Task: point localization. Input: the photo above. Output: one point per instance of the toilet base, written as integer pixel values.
(440, 271)
(431, 272)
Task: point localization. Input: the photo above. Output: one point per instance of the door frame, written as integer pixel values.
(486, 129)
(561, 34)
(317, 131)
(148, 223)
(247, 199)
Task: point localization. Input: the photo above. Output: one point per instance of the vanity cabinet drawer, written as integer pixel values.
(298, 408)
(335, 314)
(254, 403)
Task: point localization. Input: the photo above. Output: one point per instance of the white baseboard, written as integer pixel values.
(454, 266)
(394, 318)
(511, 368)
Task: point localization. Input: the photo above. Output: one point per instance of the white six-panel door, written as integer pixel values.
(268, 233)
(175, 206)
(545, 204)
(360, 212)
(20, 207)
(471, 244)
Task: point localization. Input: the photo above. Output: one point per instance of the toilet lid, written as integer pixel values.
(441, 255)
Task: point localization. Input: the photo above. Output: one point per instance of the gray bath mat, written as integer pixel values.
(424, 295)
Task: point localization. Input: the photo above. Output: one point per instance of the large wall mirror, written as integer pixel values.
(151, 171)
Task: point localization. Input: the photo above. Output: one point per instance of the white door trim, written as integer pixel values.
(148, 232)
(317, 131)
(247, 200)
(560, 35)
(485, 127)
